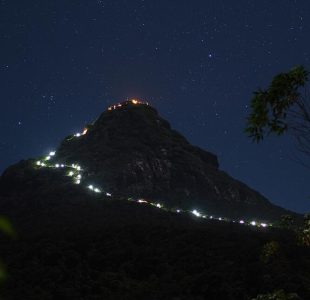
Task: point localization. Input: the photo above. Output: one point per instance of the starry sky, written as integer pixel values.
(198, 62)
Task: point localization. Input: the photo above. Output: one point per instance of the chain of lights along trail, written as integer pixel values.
(75, 171)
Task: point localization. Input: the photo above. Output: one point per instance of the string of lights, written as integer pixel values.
(75, 171)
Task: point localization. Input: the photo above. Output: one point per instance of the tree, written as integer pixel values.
(283, 107)
(269, 251)
(287, 222)
(304, 233)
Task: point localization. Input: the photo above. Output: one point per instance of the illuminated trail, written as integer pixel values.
(75, 171)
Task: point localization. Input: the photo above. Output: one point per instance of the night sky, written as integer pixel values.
(63, 62)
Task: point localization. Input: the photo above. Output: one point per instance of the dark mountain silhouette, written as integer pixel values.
(76, 241)
(132, 152)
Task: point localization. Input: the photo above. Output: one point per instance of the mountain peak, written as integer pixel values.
(131, 102)
(131, 151)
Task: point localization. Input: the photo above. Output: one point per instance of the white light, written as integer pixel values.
(241, 222)
(178, 211)
(77, 134)
(57, 165)
(84, 131)
(263, 224)
(47, 158)
(78, 168)
(196, 213)
(220, 219)
(52, 153)
(142, 201)
(211, 217)
(62, 165)
(253, 223)
(38, 163)
(79, 176)
(78, 181)
(108, 194)
(204, 216)
(96, 190)
(158, 205)
(43, 164)
(71, 173)
(91, 187)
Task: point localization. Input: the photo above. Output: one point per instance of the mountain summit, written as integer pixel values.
(133, 153)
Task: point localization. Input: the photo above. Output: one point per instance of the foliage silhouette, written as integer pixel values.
(283, 107)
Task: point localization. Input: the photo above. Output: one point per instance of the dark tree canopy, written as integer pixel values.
(283, 107)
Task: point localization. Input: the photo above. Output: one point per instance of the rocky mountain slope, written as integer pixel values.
(132, 152)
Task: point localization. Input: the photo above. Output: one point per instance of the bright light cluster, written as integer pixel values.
(196, 213)
(81, 133)
(142, 201)
(132, 101)
(59, 166)
(75, 169)
(95, 189)
(40, 163)
(76, 166)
